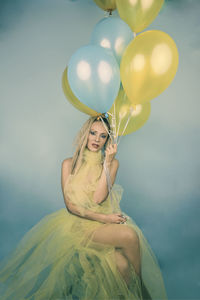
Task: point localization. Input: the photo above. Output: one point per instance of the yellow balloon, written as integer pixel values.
(72, 98)
(138, 14)
(148, 65)
(107, 5)
(122, 109)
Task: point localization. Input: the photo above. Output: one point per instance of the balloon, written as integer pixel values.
(112, 33)
(107, 5)
(138, 14)
(72, 99)
(123, 109)
(94, 77)
(148, 65)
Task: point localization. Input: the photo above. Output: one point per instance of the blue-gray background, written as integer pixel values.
(159, 164)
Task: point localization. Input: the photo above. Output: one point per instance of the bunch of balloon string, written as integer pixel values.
(123, 67)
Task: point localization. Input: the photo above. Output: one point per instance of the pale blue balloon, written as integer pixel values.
(112, 33)
(94, 77)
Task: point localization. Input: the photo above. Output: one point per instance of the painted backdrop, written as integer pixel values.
(159, 163)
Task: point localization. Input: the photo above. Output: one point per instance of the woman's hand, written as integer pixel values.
(110, 152)
(115, 218)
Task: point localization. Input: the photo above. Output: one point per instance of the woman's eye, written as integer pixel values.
(93, 133)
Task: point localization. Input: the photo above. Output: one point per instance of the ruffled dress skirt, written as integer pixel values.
(58, 260)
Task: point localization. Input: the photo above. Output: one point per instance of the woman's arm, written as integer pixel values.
(112, 166)
(72, 208)
(102, 191)
(88, 214)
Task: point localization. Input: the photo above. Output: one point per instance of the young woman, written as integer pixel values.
(90, 250)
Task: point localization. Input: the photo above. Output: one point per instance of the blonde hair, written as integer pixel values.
(81, 139)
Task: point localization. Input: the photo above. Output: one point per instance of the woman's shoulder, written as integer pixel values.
(69, 159)
(66, 163)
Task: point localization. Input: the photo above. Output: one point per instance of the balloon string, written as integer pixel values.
(118, 127)
(115, 123)
(125, 126)
(106, 129)
(108, 179)
(120, 119)
(109, 113)
(112, 121)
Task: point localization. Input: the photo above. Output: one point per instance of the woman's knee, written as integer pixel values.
(131, 236)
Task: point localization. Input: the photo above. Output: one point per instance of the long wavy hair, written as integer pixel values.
(81, 139)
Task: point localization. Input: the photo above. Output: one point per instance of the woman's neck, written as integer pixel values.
(92, 156)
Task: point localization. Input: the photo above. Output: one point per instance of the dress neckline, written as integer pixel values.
(93, 157)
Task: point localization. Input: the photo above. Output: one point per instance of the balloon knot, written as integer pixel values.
(103, 115)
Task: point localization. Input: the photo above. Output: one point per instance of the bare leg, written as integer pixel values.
(123, 266)
(132, 252)
(121, 236)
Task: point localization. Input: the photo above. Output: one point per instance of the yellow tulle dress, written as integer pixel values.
(57, 259)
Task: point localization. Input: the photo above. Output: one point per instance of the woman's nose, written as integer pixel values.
(97, 138)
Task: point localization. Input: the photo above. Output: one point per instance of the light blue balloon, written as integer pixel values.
(112, 33)
(94, 77)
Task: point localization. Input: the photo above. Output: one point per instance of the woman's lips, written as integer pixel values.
(95, 146)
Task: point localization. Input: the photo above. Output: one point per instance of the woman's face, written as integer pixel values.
(97, 136)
